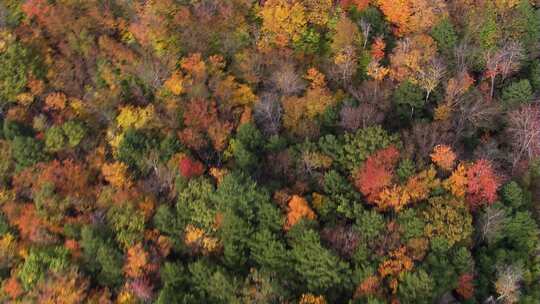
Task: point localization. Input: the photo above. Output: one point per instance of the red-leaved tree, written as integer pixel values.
(190, 168)
(377, 172)
(482, 184)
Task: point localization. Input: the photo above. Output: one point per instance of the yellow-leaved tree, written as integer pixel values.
(284, 22)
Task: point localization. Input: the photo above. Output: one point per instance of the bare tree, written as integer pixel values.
(524, 130)
(462, 53)
(503, 62)
(287, 81)
(366, 29)
(420, 140)
(490, 223)
(474, 112)
(374, 102)
(346, 63)
(430, 77)
(362, 116)
(267, 113)
(507, 284)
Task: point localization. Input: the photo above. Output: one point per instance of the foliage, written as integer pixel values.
(298, 209)
(448, 218)
(127, 223)
(376, 174)
(190, 168)
(358, 146)
(444, 157)
(19, 63)
(445, 35)
(55, 139)
(27, 152)
(101, 257)
(482, 184)
(283, 22)
(408, 98)
(517, 93)
(75, 132)
(316, 265)
(278, 151)
(534, 75)
(38, 262)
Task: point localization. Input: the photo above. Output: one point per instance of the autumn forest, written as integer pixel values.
(270, 151)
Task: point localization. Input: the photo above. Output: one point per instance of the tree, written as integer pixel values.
(67, 287)
(408, 98)
(6, 162)
(133, 117)
(444, 157)
(482, 184)
(19, 63)
(174, 278)
(534, 75)
(377, 173)
(507, 284)
(75, 132)
(269, 252)
(39, 262)
(416, 287)
(133, 148)
(190, 168)
(116, 174)
(55, 139)
(490, 223)
(298, 209)
(527, 25)
(445, 35)
(127, 223)
(283, 22)
(299, 113)
(246, 147)
(448, 218)
(200, 119)
(13, 128)
(344, 46)
(517, 93)
(317, 266)
(101, 257)
(195, 206)
(466, 286)
(398, 263)
(358, 146)
(59, 187)
(27, 152)
(524, 130)
(287, 80)
(343, 240)
(267, 113)
(411, 56)
(312, 299)
(56, 101)
(504, 62)
(429, 78)
(136, 261)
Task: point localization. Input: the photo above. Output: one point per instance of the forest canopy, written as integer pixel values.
(270, 151)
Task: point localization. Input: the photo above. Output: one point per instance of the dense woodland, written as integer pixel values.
(278, 151)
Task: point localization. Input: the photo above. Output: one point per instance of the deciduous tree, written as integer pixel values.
(444, 157)
(298, 209)
(482, 184)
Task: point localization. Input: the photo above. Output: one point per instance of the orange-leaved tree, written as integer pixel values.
(444, 157)
(298, 209)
